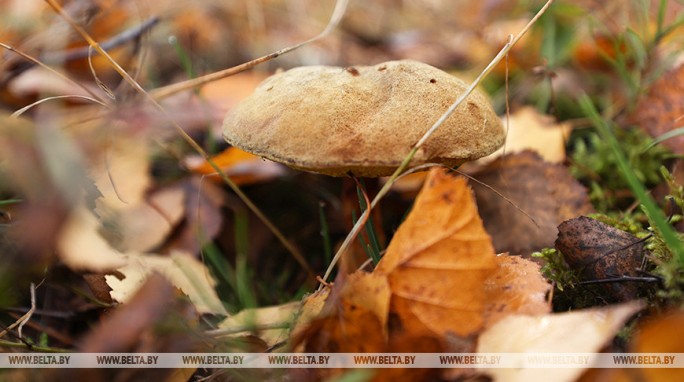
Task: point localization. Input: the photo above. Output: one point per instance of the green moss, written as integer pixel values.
(555, 268)
(594, 164)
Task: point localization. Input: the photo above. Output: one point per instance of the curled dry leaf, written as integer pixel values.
(438, 261)
(598, 251)
(546, 192)
(584, 331)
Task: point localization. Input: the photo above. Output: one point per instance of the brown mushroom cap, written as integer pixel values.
(362, 120)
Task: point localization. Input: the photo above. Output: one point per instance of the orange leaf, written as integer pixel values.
(661, 334)
(439, 259)
(242, 167)
(516, 287)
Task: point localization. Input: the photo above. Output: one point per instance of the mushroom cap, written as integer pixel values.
(362, 120)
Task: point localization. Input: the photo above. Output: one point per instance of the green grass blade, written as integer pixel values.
(325, 234)
(669, 135)
(670, 236)
(370, 229)
(9, 201)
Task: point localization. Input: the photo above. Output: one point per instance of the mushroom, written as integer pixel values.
(362, 120)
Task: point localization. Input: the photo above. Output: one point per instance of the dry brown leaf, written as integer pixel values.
(438, 261)
(583, 331)
(662, 109)
(597, 251)
(530, 130)
(515, 287)
(546, 192)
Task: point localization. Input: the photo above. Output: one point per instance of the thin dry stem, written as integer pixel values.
(19, 324)
(337, 15)
(55, 72)
(24, 109)
(386, 187)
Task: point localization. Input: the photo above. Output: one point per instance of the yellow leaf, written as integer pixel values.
(439, 259)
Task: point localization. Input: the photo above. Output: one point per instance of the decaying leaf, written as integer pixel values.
(661, 110)
(515, 287)
(438, 260)
(182, 270)
(598, 251)
(584, 331)
(546, 192)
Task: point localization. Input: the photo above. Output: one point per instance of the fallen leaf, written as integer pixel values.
(123, 173)
(203, 218)
(182, 270)
(584, 331)
(438, 261)
(660, 334)
(311, 307)
(515, 287)
(240, 166)
(598, 251)
(227, 92)
(660, 111)
(530, 130)
(528, 188)
(271, 324)
(142, 226)
(82, 248)
(135, 328)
